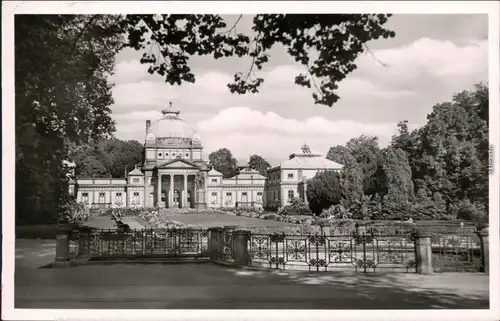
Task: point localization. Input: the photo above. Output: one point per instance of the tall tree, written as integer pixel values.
(397, 170)
(323, 191)
(62, 95)
(351, 178)
(223, 161)
(259, 164)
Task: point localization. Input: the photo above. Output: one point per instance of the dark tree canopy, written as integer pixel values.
(223, 161)
(62, 96)
(323, 191)
(326, 45)
(259, 164)
(108, 158)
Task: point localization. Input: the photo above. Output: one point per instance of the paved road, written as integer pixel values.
(207, 286)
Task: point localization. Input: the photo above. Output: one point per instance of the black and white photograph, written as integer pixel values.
(235, 160)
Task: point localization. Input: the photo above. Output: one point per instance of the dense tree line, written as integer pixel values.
(438, 171)
(107, 158)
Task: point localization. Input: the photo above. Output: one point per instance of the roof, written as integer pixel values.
(309, 160)
(247, 173)
(213, 172)
(135, 172)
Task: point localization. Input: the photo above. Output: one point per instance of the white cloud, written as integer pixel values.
(245, 131)
(281, 117)
(425, 57)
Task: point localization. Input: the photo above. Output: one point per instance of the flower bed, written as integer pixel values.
(160, 222)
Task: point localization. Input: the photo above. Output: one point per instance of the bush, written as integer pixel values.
(298, 207)
(74, 212)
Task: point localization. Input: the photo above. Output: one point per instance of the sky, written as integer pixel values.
(431, 58)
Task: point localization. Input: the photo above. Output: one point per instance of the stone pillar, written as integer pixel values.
(158, 201)
(485, 249)
(240, 247)
(170, 194)
(62, 247)
(214, 243)
(423, 254)
(200, 199)
(184, 191)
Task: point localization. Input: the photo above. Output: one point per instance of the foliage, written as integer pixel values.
(259, 164)
(223, 161)
(107, 158)
(323, 190)
(327, 45)
(297, 207)
(62, 96)
(74, 212)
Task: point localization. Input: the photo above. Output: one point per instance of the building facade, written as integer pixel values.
(174, 174)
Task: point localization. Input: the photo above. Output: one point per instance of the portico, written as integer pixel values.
(175, 186)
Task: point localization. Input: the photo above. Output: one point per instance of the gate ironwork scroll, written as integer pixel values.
(320, 252)
(163, 243)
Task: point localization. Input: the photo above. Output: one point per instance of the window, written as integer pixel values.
(229, 196)
(85, 197)
(259, 196)
(173, 154)
(119, 197)
(159, 154)
(102, 198)
(187, 155)
(290, 176)
(214, 197)
(244, 197)
(136, 180)
(136, 197)
(290, 195)
(166, 154)
(214, 180)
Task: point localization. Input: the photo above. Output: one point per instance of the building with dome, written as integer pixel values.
(174, 174)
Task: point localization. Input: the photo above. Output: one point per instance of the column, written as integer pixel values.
(485, 249)
(62, 246)
(158, 190)
(184, 199)
(423, 254)
(171, 191)
(240, 247)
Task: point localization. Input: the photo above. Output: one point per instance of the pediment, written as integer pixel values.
(178, 163)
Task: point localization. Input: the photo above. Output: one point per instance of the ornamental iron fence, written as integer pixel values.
(144, 243)
(373, 249)
(321, 252)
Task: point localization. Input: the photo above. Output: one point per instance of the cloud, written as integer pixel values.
(245, 131)
(443, 60)
(281, 117)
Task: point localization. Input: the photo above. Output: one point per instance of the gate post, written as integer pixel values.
(485, 249)
(240, 246)
(423, 254)
(62, 246)
(214, 243)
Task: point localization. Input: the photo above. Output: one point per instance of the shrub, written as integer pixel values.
(298, 207)
(74, 213)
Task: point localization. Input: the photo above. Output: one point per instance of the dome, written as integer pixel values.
(171, 125)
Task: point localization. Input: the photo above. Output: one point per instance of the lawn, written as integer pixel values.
(219, 220)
